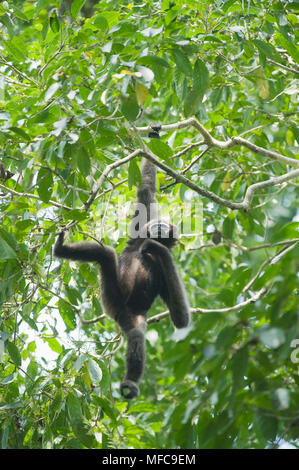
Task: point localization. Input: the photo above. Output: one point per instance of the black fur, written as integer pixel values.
(130, 284)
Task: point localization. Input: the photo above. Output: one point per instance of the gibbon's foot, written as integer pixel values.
(129, 389)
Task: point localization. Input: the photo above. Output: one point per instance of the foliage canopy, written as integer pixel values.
(77, 81)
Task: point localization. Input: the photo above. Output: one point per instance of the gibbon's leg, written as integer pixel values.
(173, 292)
(134, 327)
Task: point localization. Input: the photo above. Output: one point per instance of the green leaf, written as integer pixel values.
(6, 252)
(288, 45)
(74, 408)
(76, 7)
(229, 226)
(53, 343)
(106, 406)
(200, 77)
(20, 132)
(95, 371)
(80, 425)
(5, 434)
(41, 4)
(267, 49)
(182, 61)
(83, 161)
(239, 363)
(86, 140)
(161, 149)
(54, 23)
(15, 51)
(130, 109)
(5, 19)
(14, 353)
(19, 14)
(44, 184)
(47, 441)
(101, 23)
(192, 102)
(67, 314)
(144, 407)
(134, 175)
(267, 424)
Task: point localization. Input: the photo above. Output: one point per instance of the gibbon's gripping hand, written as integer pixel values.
(150, 246)
(59, 243)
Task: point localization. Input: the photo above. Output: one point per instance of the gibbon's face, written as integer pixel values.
(162, 231)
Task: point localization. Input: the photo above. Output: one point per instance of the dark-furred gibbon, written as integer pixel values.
(131, 282)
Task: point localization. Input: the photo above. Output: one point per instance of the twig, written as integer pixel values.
(105, 173)
(52, 58)
(12, 67)
(289, 69)
(33, 196)
(272, 260)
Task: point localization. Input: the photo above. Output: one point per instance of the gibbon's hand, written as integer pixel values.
(150, 246)
(61, 237)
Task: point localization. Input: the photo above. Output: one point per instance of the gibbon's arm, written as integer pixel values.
(175, 295)
(82, 251)
(147, 206)
(112, 298)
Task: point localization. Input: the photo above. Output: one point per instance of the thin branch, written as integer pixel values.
(179, 178)
(186, 149)
(33, 196)
(274, 259)
(271, 245)
(92, 320)
(52, 58)
(12, 67)
(105, 173)
(41, 286)
(195, 160)
(289, 69)
(264, 184)
(198, 310)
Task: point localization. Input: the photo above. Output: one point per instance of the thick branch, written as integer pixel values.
(223, 145)
(209, 194)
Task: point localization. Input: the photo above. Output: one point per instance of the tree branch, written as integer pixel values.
(105, 173)
(178, 177)
(224, 145)
(234, 308)
(33, 196)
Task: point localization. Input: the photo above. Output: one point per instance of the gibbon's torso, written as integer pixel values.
(139, 278)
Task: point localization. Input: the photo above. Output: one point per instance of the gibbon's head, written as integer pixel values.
(161, 231)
